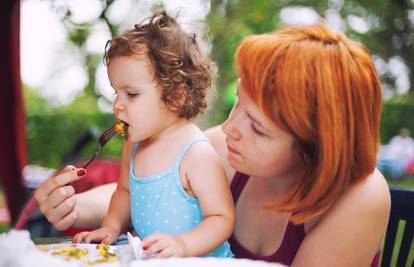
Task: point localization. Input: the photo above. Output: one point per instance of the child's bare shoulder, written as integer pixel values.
(201, 156)
(201, 149)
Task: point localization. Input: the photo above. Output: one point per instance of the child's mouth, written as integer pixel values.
(121, 128)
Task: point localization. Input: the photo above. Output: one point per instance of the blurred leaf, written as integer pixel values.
(34, 103)
(80, 34)
(51, 136)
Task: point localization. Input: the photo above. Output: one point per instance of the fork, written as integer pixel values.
(103, 139)
(32, 203)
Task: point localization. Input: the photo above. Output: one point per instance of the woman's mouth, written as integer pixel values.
(232, 150)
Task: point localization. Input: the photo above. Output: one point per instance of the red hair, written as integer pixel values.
(323, 89)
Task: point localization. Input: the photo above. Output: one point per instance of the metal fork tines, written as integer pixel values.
(103, 139)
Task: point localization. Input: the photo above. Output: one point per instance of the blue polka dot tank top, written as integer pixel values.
(159, 203)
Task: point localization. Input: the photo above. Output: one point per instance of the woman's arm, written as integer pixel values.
(119, 209)
(117, 218)
(93, 205)
(351, 232)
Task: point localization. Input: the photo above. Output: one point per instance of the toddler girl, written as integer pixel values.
(172, 185)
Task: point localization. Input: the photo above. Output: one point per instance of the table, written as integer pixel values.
(19, 250)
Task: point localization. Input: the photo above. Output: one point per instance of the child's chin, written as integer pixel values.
(133, 139)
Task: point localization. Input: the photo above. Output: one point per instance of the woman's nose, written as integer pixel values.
(230, 126)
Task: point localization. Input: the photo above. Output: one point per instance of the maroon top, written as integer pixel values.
(292, 239)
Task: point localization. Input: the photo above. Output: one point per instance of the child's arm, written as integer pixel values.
(208, 181)
(117, 218)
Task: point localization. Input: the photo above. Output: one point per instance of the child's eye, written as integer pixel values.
(132, 94)
(257, 131)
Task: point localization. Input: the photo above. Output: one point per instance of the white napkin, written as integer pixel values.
(18, 250)
(131, 252)
(135, 245)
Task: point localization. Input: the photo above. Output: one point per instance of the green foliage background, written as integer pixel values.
(52, 132)
(51, 135)
(390, 34)
(396, 115)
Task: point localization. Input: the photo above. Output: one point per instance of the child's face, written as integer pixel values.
(138, 98)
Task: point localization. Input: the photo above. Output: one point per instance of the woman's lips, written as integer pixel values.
(232, 150)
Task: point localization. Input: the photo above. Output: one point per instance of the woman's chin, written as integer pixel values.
(235, 161)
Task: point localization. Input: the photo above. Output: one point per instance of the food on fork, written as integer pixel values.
(121, 128)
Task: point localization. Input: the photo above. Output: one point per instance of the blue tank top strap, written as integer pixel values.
(187, 146)
(131, 161)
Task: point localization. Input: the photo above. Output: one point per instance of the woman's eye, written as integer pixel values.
(257, 131)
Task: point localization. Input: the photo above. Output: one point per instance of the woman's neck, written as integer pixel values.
(277, 186)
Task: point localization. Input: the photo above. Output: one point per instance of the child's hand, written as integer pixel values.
(164, 246)
(106, 235)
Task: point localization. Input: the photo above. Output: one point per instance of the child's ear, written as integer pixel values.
(179, 98)
(182, 91)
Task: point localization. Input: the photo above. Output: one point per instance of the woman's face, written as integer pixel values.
(256, 146)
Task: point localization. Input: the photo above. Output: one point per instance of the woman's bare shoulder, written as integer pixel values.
(368, 195)
(354, 225)
(218, 141)
(372, 192)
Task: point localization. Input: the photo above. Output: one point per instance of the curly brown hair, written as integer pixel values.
(183, 71)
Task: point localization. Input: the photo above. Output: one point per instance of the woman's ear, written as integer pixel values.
(301, 152)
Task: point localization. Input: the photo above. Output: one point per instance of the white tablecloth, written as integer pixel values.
(18, 250)
(202, 262)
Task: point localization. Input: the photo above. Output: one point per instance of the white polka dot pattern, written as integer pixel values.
(162, 205)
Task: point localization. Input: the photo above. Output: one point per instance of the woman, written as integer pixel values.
(299, 148)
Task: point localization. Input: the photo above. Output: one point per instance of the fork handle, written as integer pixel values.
(90, 161)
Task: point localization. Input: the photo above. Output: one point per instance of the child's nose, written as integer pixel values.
(117, 106)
